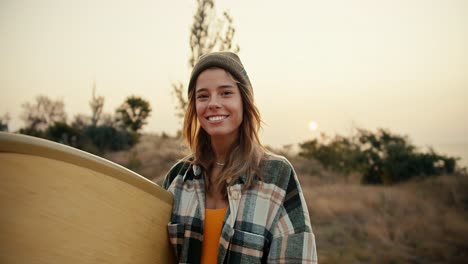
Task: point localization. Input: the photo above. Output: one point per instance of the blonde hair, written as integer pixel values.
(243, 158)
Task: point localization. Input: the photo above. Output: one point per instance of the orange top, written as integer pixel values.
(211, 233)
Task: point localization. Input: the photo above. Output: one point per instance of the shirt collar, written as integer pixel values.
(197, 174)
(193, 172)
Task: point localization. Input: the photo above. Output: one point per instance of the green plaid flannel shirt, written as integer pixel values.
(266, 224)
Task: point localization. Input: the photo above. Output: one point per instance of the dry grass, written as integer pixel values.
(423, 221)
(152, 157)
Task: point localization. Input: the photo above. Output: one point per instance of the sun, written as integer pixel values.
(313, 126)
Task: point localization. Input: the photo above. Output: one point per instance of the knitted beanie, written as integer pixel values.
(226, 60)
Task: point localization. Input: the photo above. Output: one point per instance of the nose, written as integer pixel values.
(214, 103)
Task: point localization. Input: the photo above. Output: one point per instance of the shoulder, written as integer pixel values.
(277, 170)
(178, 169)
(275, 160)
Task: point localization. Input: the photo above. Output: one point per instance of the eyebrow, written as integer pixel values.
(225, 86)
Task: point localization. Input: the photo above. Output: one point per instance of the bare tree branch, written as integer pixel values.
(44, 113)
(96, 104)
(208, 33)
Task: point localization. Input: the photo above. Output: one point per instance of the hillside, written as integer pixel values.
(152, 157)
(424, 221)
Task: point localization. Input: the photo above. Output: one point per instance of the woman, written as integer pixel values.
(233, 201)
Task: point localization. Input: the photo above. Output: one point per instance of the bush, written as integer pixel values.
(381, 157)
(106, 137)
(340, 154)
(32, 132)
(63, 133)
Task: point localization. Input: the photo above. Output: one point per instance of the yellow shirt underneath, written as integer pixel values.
(211, 233)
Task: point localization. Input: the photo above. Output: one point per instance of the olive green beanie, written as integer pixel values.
(226, 60)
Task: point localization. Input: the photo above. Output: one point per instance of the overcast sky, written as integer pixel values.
(397, 64)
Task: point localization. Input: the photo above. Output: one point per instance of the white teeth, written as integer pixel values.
(216, 118)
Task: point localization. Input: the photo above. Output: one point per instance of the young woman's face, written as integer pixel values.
(218, 103)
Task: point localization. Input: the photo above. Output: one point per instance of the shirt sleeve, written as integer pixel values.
(293, 240)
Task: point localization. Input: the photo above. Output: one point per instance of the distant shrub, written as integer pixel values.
(132, 114)
(391, 158)
(381, 157)
(164, 135)
(46, 118)
(4, 120)
(339, 154)
(106, 137)
(32, 132)
(63, 133)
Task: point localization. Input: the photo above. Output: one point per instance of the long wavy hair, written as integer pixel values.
(243, 158)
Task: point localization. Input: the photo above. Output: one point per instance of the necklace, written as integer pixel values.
(219, 164)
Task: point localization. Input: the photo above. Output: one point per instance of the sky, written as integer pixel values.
(395, 64)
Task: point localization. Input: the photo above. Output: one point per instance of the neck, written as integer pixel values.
(221, 146)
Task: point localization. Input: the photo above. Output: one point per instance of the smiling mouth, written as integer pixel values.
(217, 118)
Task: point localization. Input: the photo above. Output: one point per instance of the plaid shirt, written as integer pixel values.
(266, 224)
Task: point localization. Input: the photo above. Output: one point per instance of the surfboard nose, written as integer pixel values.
(62, 205)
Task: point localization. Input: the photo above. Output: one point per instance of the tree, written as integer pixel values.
(391, 158)
(381, 157)
(132, 113)
(208, 33)
(102, 138)
(63, 133)
(340, 153)
(96, 104)
(4, 120)
(43, 113)
(80, 122)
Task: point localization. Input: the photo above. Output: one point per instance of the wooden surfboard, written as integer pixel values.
(62, 205)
